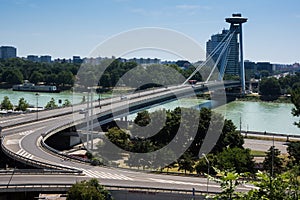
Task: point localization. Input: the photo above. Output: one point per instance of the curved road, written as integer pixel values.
(24, 137)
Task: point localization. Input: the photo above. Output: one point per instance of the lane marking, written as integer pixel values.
(182, 183)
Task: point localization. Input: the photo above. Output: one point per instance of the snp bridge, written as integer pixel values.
(24, 135)
(23, 142)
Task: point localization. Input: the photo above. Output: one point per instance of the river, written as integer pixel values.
(254, 116)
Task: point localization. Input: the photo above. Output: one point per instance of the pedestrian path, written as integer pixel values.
(105, 175)
(23, 153)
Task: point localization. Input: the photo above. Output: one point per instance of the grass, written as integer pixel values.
(267, 138)
(256, 153)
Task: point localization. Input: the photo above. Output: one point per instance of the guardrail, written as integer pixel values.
(62, 187)
(33, 187)
(35, 163)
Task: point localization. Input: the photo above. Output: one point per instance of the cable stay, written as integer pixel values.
(221, 54)
(209, 58)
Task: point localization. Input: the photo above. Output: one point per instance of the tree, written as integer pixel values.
(12, 76)
(142, 118)
(295, 97)
(6, 104)
(230, 137)
(23, 105)
(269, 187)
(237, 159)
(186, 163)
(65, 78)
(294, 152)
(51, 104)
(202, 165)
(88, 190)
(264, 73)
(36, 77)
(66, 103)
(269, 88)
(228, 180)
(272, 163)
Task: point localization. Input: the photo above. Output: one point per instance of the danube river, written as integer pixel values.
(254, 116)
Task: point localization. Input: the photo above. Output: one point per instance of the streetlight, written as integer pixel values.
(208, 166)
(37, 106)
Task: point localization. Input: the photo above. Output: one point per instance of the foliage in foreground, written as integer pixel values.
(285, 186)
(88, 190)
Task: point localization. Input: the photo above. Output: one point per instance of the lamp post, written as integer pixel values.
(208, 166)
(37, 106)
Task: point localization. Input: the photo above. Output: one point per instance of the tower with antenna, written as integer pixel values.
(236, 22)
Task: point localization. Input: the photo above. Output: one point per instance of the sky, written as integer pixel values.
(63, 28)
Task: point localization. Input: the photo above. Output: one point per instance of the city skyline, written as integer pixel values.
(64, 29)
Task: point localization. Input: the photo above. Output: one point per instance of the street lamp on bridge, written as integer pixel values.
(37, 105)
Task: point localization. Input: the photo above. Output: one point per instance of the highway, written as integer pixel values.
(23, 136)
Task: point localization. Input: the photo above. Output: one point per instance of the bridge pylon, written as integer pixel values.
(236, 22)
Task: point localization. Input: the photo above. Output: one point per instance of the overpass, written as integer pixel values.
(23, 138)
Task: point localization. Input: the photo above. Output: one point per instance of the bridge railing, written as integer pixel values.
(28, 187)
(35, 163)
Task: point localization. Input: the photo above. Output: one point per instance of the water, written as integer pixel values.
(255, 116)
(262, 116)
(43, 98)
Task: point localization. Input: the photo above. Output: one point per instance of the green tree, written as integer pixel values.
(229, 138)
(51, 104)
(264, 73)
(294, 152)
(202, 165)
(229, 180)
(23, 105)
(66, 103)
(6, 104)
(269, 188)
(273, 163)
(118, 137)
(36, 77)
(88, 190)
(236, 159)
(295, 97)
(142, 118)
(12, 76)
(269, 88)
(65, 78)
(186, 163)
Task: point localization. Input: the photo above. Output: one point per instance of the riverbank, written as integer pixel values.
(255, 97)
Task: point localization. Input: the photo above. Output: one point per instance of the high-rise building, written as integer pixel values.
(232, 62)
(8, 52)
(46, 59)
(33, 58)
(77, 60)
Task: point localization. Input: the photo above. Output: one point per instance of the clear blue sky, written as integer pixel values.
(63, 28)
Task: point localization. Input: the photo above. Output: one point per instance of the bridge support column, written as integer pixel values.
(243, 81)
(236, 22)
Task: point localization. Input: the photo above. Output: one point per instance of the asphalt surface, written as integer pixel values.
(23, 134)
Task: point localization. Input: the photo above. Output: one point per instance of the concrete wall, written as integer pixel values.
(148, 195)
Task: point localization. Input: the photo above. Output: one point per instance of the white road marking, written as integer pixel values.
(105, 175)
(181, 182)
(26, 132)
(14, 141)
(23, 153)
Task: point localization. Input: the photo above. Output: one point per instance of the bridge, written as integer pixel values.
(23, 139)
